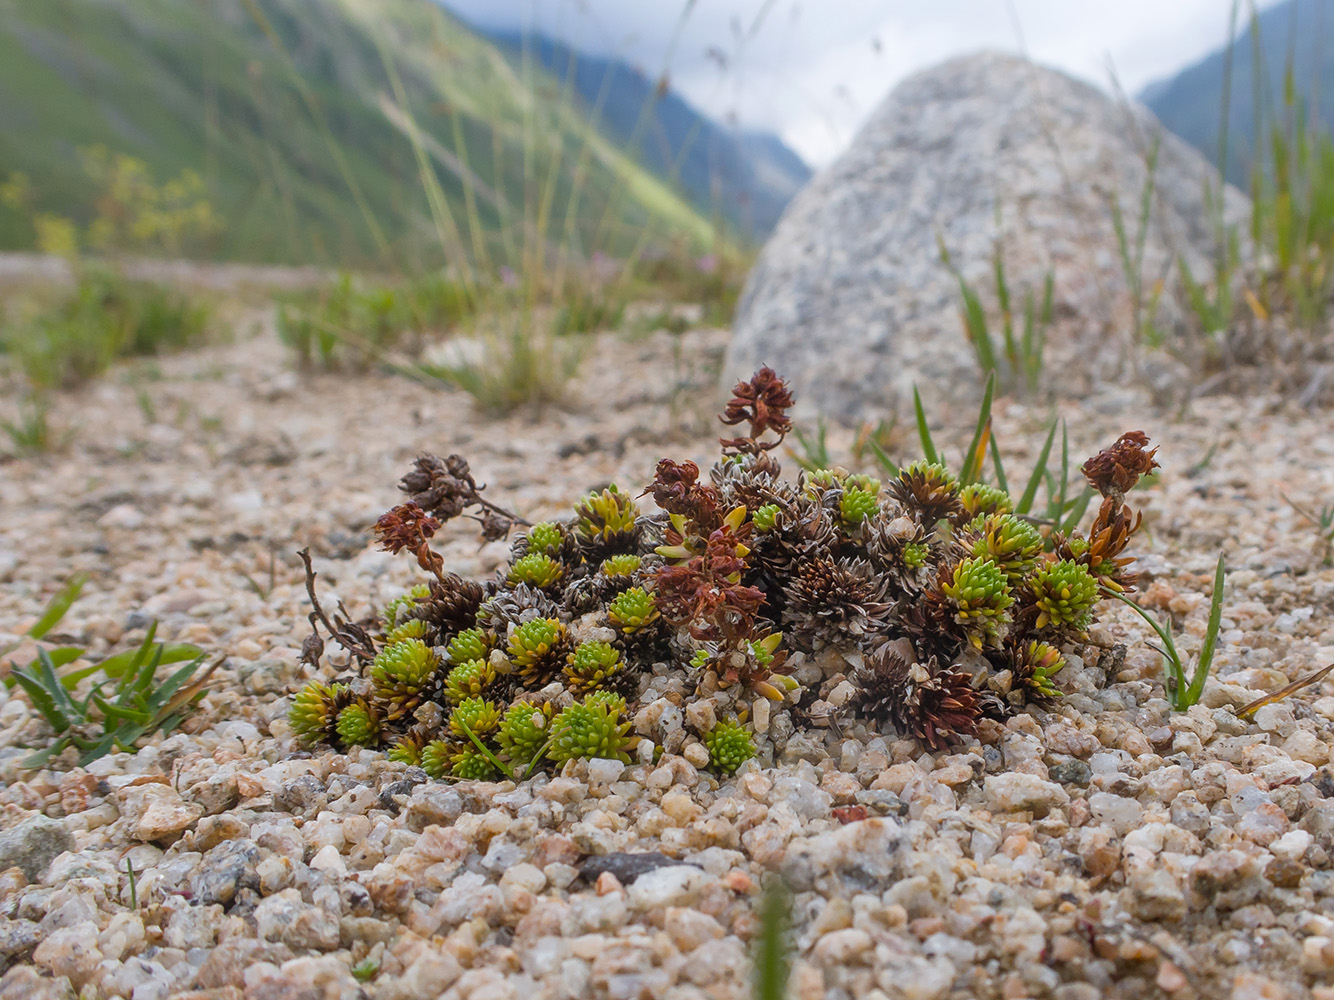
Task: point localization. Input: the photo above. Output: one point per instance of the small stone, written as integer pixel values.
(156, 812)
(626, 867)
(697, 753)
(1263, 825)
(1015, 791)
(603, 772)
(1170, 979)
(224, 870)
(285, 918)
(1121, 814)
(71, 952)
(1071, 772)
(689, 928)
(33, 845)
(327, 859)
(1161, 738)
(759, 715)
(675, 885)
(1155, 895)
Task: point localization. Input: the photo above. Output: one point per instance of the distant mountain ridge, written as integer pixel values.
(745, 177)
(312, 123)
(1190, 102)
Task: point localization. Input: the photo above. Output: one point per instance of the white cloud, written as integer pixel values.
(812, 70)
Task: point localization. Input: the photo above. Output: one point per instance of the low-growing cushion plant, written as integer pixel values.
(928, 593)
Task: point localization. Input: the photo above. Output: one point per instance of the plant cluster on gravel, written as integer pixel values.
(922, 603)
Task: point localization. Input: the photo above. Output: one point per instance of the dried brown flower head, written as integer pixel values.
(409, 527)
(762, 402)
(406, 526)
(442, 486)
(1114, 471)
(677, 490)
(446, 488)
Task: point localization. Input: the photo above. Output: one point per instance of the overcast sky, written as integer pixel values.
(812, 70)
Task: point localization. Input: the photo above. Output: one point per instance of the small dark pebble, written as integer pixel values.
(1071, 772)
(225, 870)
(390, 792)
(626, 867)
(993, 758)
(1324, 783)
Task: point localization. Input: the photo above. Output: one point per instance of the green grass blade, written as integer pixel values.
(923, 431)
(772, 963)
(50, 680)
(1039, 471)
(1206, 660)
(1001, 481)
(1057, 511)
(118, 713)
(1077, 508)
(976, 454)
(163, 694)
(41, 700)
(58, 605)
(116, 667)
(886, 463)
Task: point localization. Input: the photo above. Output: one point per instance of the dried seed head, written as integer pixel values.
(1114, 471)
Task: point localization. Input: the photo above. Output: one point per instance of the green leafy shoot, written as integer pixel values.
(1181, 692)
(976, 455)
(58, 605)
(772, 961)
(1025, 503)
(127, 704)
(366, 970)
(500, 765)
(923, 429)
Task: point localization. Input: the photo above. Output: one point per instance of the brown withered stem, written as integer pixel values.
(445, 488)
(350, 636)
(1114, 471)
(762, 402)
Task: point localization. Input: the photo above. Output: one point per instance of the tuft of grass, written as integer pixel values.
(1130, 247)
(126, 704)
(1183, 692)
(33, 433)
(105, 318)
(353, 325)
(527, 366)
(1323, 522)
(1017, 356)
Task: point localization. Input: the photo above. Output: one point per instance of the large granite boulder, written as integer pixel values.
(850, 299)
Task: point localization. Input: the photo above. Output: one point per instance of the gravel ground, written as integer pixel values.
(1104, 848)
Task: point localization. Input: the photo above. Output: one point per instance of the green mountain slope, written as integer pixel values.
(300, 114)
